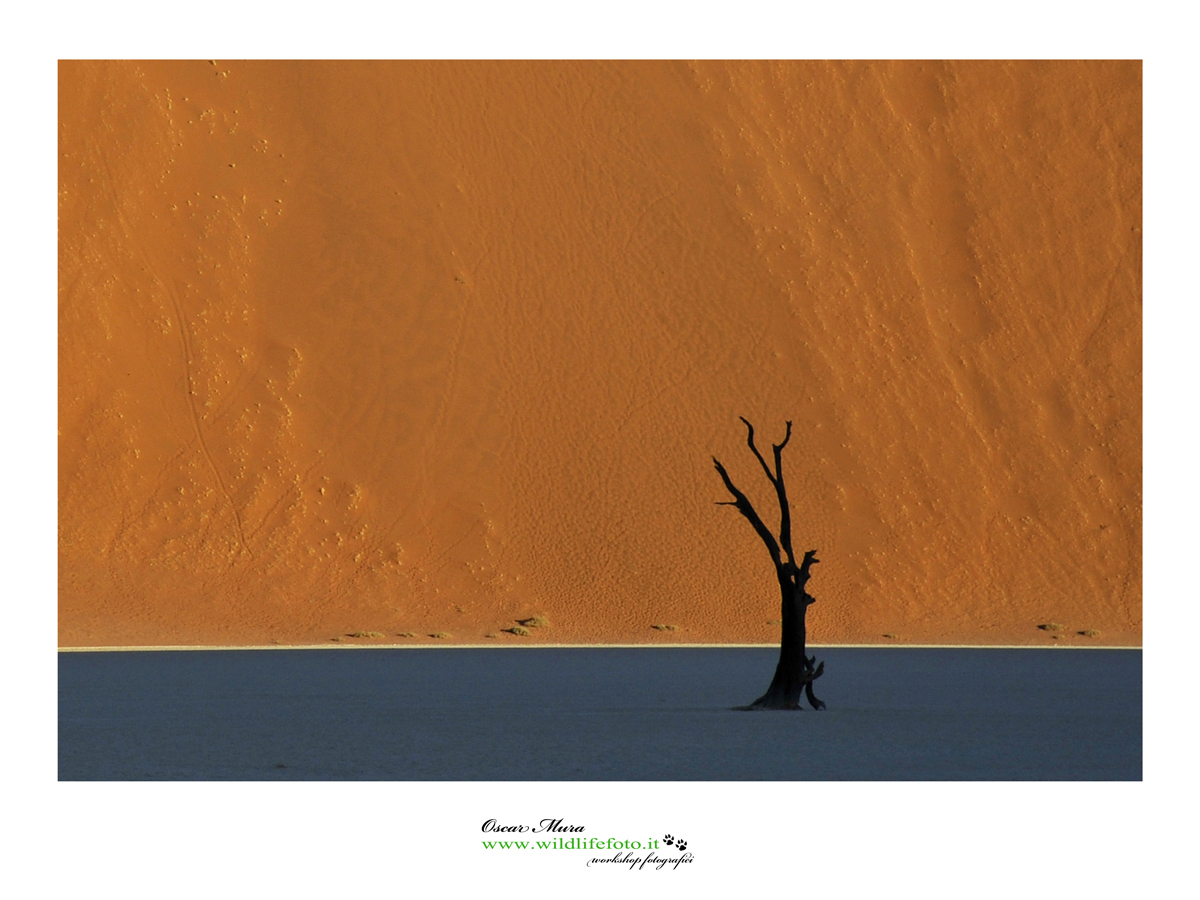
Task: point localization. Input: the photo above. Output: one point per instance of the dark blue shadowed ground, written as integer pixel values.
(597, 714)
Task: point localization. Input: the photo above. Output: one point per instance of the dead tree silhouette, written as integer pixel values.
(795, 672)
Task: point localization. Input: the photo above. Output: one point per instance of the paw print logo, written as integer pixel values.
(668, 840)
(680, 845)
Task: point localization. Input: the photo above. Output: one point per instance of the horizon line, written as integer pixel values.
(344, 646)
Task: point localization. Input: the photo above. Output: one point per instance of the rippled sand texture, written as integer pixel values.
(434, 347)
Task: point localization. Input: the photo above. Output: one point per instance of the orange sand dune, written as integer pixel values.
(434, 347)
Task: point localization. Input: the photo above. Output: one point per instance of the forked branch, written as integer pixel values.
(750, 440)
(776, 479)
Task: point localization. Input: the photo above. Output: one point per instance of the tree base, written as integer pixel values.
(784, 692)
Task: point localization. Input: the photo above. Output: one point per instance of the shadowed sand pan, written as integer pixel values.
(420, 352)
(630, 714)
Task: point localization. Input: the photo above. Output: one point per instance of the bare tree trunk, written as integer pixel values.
(796, 671)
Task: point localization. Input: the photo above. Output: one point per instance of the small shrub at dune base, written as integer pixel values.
(1052, 626)
(518, 630)
(889, 635)
(774, 621)
(1091, 632)
(535, 622)
(335, 638)
(366, 634)
(665, 627)
(491, 634)
(440, 634)
(405, 634)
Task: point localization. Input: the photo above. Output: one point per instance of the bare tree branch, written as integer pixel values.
(802, 575)
(750, 441)
(785, 515)
(747, 509)
(779, 447)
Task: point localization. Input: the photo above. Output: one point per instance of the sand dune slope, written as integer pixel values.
(434, 347)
